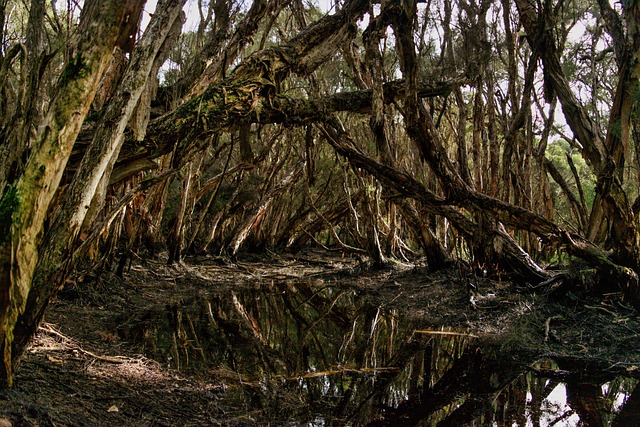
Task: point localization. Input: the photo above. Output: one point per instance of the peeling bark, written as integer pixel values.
(48, 267)
(51, 150)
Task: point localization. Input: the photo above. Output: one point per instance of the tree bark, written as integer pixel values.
(175, 239)
(20, 127)
(51, 149)
(78, 85)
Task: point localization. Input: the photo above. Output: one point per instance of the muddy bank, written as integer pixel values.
(319, 339)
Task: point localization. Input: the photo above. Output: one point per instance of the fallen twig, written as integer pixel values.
(447, 333)
(47, 328)
(548, 282)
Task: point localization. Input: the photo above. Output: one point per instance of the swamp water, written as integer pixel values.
(297, 354)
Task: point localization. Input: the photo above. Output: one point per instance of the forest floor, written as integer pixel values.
(82, 370)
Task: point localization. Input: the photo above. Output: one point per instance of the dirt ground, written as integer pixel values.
(80, 371)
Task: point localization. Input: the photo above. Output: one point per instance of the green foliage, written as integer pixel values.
(556, 152)
(8, 204)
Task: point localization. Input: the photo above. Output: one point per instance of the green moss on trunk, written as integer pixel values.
(8, 204)
(75, 69)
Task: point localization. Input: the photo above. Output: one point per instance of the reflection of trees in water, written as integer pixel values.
(305, 353)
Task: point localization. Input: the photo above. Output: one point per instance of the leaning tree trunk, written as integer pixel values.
(30, 294)
(32, 194)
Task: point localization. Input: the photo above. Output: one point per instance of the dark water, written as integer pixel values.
(319, 355)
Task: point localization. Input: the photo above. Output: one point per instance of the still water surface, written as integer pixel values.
(297, 354)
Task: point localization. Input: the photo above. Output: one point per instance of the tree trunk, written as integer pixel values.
(175, 239)
(437, 257)
(99, 28)
(78, 85)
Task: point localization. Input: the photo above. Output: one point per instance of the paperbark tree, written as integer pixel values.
(53, 265)
(424, 152)
(242, 95)
(26, 202)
